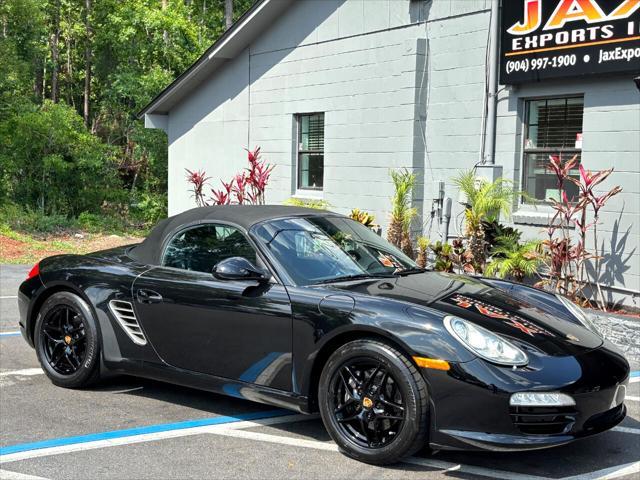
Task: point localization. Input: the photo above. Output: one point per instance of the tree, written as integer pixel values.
(228, 13)
(104, 61)
(402, 213)
(62, 168)
(55, 51)
(87, 60)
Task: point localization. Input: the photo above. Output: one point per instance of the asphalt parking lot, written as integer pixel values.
(132, 428)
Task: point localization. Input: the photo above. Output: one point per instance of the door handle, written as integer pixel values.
(149, 296)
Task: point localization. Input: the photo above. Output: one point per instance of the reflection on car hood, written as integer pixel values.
(524, 322)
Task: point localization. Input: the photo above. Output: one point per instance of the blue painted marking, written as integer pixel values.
(635, 373)
(164, 427)
(9, 334)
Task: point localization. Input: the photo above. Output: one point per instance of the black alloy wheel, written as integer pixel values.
(67, 341)
(367, 402)
(64, 339)
(374, 402)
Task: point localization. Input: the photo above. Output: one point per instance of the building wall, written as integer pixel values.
(457, 38)
(611, 138)
(402, 84)
(208, 130)
(455, 78)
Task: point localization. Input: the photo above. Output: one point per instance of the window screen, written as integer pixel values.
(553, 127)
(310, 151)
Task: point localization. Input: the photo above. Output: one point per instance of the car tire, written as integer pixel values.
(67, 341)
(353, 412)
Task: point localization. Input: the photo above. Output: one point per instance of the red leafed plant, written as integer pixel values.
(246, 187)
(566, 258)
(198, 180)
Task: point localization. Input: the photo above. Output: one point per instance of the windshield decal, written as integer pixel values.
(491, 311)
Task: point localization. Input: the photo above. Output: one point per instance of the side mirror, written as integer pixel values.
(239, 268)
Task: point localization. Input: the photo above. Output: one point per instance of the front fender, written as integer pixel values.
(418, 331)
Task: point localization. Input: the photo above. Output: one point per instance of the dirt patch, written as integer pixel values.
(10, 248)
(19, 248)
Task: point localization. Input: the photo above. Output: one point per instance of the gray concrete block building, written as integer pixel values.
(337, 92)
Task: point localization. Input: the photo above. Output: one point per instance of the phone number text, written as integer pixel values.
(541, 63)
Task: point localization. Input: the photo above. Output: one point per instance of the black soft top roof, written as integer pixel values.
(245, 216)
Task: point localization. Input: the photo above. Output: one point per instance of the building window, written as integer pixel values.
(310, 151)
(553, 127)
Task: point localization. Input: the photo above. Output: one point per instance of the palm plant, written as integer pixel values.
(485, 202)
(423, 245)
(401, 211)
(510, 258)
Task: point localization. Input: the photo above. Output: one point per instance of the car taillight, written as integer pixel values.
(34, 272)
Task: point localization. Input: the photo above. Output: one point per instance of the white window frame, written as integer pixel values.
(301, 192)
(545, 204)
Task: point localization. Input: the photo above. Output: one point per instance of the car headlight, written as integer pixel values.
(484, 343)
(579, 314)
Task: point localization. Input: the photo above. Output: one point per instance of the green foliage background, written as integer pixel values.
(59, 159)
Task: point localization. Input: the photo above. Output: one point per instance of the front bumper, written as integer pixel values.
(470, 403)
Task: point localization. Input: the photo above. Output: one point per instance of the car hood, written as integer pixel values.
(527, 323)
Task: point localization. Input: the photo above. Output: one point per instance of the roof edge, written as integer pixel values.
(212, 52)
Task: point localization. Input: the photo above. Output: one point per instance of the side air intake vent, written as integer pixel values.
(123, 311)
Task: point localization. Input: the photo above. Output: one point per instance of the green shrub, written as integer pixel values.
(51, 163)
(151, 208)
(26, 220)
(307, 203)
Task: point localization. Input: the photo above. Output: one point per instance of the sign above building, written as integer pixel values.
(543, 39)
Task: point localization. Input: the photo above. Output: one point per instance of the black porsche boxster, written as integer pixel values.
(312, 311)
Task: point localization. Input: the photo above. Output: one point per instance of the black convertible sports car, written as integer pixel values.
(311, 311)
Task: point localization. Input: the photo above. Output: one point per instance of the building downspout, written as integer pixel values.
(492, 90)
(487, 168)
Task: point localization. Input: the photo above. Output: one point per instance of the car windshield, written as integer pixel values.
(324, 249)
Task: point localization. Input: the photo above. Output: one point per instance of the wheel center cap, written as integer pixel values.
(367, 402)
(67, 339)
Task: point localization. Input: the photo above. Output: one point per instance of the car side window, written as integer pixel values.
(200, 248)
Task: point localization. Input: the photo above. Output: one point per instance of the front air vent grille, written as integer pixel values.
(123, 311)
(543, 420)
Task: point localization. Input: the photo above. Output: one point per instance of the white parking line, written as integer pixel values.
(635, 431)
(238, 430)
(27, 372)
(8, 296)
(633, 399)
(608, 473)
(424, 462)
(482, 471)
(149, 437)
(7, 475)
(10, 334)
(266, 437)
